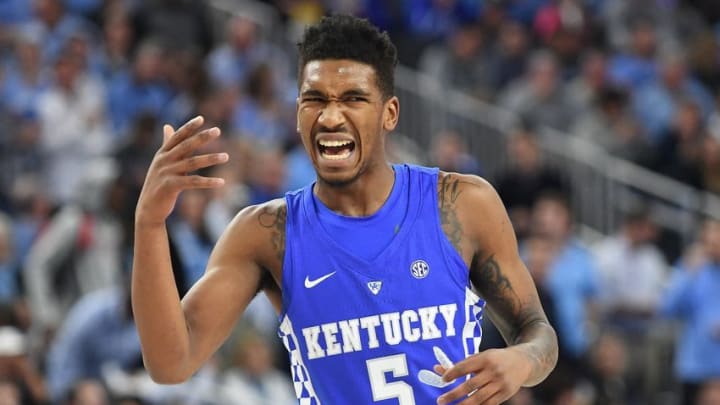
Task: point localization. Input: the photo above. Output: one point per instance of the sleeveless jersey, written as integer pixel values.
(359, 331)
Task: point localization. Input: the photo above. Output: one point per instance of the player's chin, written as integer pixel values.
(335, 178)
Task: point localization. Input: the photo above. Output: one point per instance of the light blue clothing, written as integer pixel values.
(193, 250)
(632, 71)
(359, 331)
(253, 123)
(15, 11)
(229, 67)
(655, 106)
(573, 282)
(8, 282)
(128, 99)
(300, 171)
(694, 297)
(97, 331)
(19, 96)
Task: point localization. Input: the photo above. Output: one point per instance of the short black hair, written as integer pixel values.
(343, 36)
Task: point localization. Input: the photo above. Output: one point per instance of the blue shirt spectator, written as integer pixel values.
(128, 98)
(15, 11)
(631, 71)
(693, 297)
(655, 104)
(98, 331)
(573, 282)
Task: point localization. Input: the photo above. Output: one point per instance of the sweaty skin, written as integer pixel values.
(339, 99)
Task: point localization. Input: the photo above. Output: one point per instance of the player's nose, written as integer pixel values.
(332, 115)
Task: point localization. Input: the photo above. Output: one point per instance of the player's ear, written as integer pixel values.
(391, 113)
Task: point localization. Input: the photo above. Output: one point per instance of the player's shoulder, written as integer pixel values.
(460, 187)
(253, 221)
(268, 214)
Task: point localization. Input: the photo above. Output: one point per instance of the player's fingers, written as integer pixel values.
(464, 389)
(194, 181)
(192, 143)
(482, 397)
(198, 162)
(168, 131)
(439, 369)
(472, 364)
(183, 132)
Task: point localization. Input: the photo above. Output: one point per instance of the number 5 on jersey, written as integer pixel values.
(396, 365)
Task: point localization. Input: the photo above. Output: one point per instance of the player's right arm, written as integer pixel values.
(178, 337)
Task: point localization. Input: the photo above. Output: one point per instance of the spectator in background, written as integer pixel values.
(610, 362)
(572, 280)
(142, 90)
(98, 332)
(25, 76)
(260, 116)
(508, 56)
(679, 152)
(537, 96)
(464, 64)
(634, 65)
(527, 177)
(115, 48)
(609, 124)
(230, 63)
(79, 251)
(633, 273)
(55, 26)
(87, 392)
(711, 164)
(252, 377)
(17, 370)
(73, 128)
(655, 103)
(175, 24)
(582, 91)
(267, 175)
(190, 239)
(449, 153)
(693, 298)
(9, 266)
(709, 393)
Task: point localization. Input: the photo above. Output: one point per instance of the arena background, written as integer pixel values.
(597, 121)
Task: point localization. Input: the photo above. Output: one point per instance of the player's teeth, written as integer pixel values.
(339, 156)
(329, 143)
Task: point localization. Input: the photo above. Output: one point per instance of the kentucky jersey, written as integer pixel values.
(359, 330)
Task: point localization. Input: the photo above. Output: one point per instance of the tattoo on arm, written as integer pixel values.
(274, 219)
(521, 322)
(449, 193)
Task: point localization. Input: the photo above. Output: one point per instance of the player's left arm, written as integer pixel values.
(477, 223)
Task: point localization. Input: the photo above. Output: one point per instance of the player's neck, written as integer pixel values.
(363, 197)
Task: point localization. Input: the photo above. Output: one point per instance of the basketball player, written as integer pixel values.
(380, 272)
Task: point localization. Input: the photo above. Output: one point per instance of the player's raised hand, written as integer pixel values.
(496, 375)
(168, 172)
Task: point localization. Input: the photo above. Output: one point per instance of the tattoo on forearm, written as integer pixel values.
(494, 286)
(449, 193)
(519, 321)
(275, 220)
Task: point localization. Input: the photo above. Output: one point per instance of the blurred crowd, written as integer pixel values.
(85, 86)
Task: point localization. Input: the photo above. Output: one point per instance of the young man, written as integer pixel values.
(372, 267)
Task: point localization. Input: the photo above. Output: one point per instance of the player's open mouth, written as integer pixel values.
(335, 149)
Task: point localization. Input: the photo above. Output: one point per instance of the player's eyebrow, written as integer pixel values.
(313, 93)
(348, 93)
(355, 92)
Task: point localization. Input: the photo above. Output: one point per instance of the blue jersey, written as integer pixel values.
(360, 331)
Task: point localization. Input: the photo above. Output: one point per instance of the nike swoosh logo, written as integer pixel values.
(312, 283)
